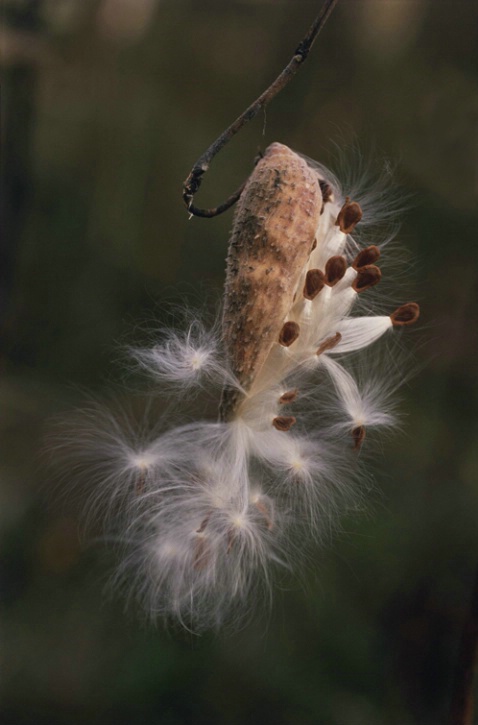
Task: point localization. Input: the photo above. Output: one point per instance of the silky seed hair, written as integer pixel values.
(205, 512)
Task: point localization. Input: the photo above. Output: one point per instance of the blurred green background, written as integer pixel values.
(106, 105)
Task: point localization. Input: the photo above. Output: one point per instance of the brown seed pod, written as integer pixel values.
(274, 227)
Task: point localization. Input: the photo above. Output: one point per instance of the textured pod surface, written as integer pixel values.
(272, 237)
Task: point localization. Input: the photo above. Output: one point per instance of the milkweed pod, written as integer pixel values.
(273, 234)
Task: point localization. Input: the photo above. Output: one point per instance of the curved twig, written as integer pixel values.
(193, 181)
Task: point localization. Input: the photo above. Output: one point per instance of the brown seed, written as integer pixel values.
(314, 282)
(329, 344)
(203, 525)
(289, 333)
(366, 256)
(335, 269)
(201, 552)
(262, 508)
(140, 483)
(326, 190)
(358, 435)
(284, 422)
(405, 315)
(349, 216)
(327, 193)
(367, 276)
(231, 538)
(288, 397)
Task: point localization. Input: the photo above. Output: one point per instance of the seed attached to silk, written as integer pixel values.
(366, 256)
(329, 344)
(314, 282)
(358, 435)
(284, 422)
(289, 333)
(349, 216)
(288, 397)
(367, 276)
(405, 315)
(335, 269)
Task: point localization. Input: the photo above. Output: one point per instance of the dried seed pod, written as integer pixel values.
(274, 228)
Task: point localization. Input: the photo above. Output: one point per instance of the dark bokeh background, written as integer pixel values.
(106, 105)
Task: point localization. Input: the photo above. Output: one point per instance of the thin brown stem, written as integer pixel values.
(193, 181)
(461, 712)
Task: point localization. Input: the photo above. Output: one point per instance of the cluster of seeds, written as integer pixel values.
(322, 295)
(204, 511)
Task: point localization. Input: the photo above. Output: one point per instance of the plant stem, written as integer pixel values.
(193, 181)
(461, 712)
